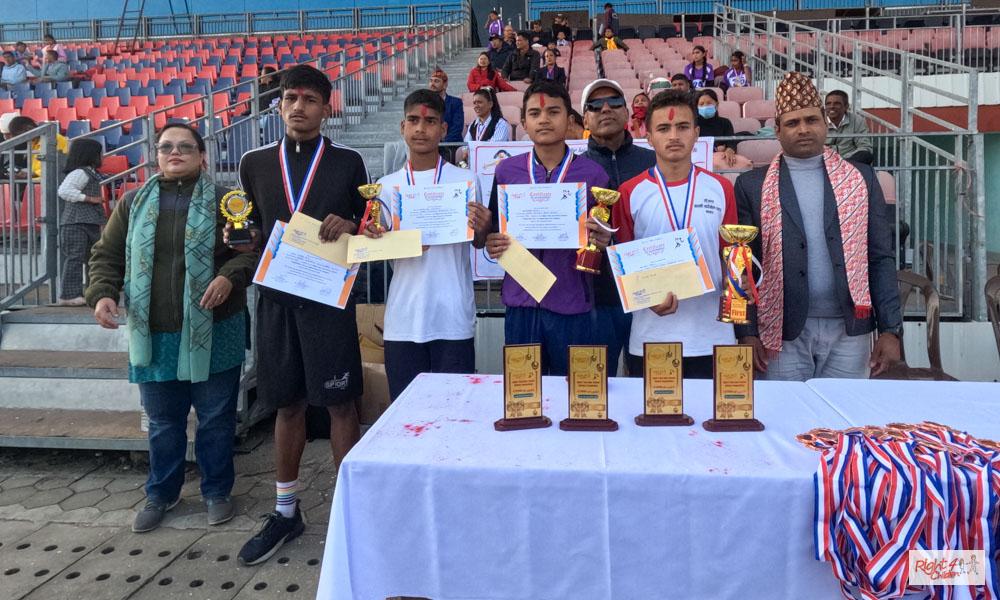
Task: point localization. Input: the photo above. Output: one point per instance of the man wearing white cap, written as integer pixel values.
(605, 113)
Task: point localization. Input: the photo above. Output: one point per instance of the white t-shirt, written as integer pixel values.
(642, 212)
(430, 296)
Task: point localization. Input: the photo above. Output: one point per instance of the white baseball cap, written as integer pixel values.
(5, 120)
(594, 86)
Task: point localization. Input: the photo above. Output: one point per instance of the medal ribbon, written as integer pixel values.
(668, 202)
(562, 168)
(481, 128)
(411, 179)
(295, 202)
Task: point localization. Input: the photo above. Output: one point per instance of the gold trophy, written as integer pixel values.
(370, 192)
(737, 264)
(588, 258)
(237, 208)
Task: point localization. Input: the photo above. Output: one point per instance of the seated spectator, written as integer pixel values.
(657, 85)
(509, 37)
(484, 75)
(21, 53)
(498, 52)
(738, 73)
(561, 25)
(269, 88)
(553, 47)
(710, 124)
(609, 41)
(51, 44)
(550, 71)
(575, 131)
(523, 62)
(699, 72)
(489, 124)
(680, 82)
(538, 36)
(562, 40)
(637, 124)
(52, 69)
(20, 126)
(13, 72)
(841, 121)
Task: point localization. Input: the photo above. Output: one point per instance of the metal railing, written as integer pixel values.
(261, 22)
(696, 7)
(938, 177)
(28, 218)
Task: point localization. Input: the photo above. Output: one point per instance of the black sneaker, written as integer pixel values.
(276, 530)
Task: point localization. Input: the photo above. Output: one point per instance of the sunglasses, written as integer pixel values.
(598, 105)
(183, 148)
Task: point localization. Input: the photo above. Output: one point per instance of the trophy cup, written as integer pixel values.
(370, 192)
(588, 258)
(737, 261)
(236, 208)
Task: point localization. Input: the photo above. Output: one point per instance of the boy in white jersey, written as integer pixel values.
(430, 314)
(675, 195)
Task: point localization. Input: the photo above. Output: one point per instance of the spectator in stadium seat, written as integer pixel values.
(576, 130)
(712, 125)
(21, 125)
(498, 52)
(489, 124)
(509, 36)
(21, 53)
(268, 88)
(609, 42)
(13, 72)
(561, 25)
(738, 73)
(562, 41)
(680, 82)
(484, 75)
(611, 145)
(52, 44)
(523, 62)
(81, 218)
(454, 114)
(826, 247)
(699, 71)
(52, 69)
(657, 85)
(550, 71)
(164, 246)
(637, 124)
(538, 35)
(840, 120)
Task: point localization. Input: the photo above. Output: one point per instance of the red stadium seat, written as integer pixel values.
(759, 109)
(742, 95)
(113, 165)
(96, 115)
(760, 152)
(83, 106)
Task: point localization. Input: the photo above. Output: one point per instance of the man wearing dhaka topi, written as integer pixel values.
(829, 274)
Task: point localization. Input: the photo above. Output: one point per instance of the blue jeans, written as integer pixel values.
(554, 331)
(168, 403)
(615, 326)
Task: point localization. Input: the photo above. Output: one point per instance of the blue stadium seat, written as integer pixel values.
(62, 87)
(124, 96)
(73, 94)
(133, 86)
(157, 86)
(271, 128)
(112, 137)
(99, 94)
(86, 87)
(77, 128)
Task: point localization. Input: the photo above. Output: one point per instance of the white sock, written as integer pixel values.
(287, 493)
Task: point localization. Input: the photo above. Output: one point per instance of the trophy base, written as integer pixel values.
(645, 420)
(588, 261)
(588, 425)
(523, 423)
(733, 425)
(239, 237)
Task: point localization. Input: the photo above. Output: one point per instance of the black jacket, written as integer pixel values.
(887, 315)
(717, 127)
(621, 165)
(498, 58)
(542, 74)
(521, 66)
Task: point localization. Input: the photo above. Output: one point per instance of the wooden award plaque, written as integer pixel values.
(522, 389)
(588, 390)
(663, 385)
(733, 390)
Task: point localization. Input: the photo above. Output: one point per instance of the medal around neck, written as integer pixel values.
(588, 390)
(663, 385)
(370, 192)
(588, 258)
(522, 389)
(236, 208)
(740, 290)
(732, 400)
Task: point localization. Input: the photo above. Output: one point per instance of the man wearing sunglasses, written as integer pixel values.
(605, 114)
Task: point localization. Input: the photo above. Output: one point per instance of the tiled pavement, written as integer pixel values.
(64, 530)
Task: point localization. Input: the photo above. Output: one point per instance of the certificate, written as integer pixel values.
(527, 270)
(287, 268)
(647, 270)
(392, 244)
(439, 211)
(302, 231)
(551, 215)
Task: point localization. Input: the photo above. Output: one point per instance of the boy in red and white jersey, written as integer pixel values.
(674, 195)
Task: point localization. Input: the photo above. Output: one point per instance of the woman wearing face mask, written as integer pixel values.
(711, 124)
(637, 124)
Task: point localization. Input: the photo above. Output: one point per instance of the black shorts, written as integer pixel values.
(307, 352)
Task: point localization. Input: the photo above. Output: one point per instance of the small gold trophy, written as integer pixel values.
(733, 402)
(663, 384)
(237, 208)
(370, 192)
(588, 390)
(588, 258)
(522, 389)
(737, 260)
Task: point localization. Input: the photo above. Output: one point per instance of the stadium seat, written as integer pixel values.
(759, 109)
(760, 152)
(729, 110)
(77, 128)
(888, 184)
(742, 95)
(742, 124)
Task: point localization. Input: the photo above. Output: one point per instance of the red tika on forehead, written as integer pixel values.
(541, 100)
(671, 113)
(423, 110)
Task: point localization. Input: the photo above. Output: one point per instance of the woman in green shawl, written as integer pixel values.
(186, 296)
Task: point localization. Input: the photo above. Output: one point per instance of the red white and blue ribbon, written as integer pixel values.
(683, 219)
(295, 201)
(411, 179)
(561, 169)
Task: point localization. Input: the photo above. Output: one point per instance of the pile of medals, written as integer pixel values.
(883, 491)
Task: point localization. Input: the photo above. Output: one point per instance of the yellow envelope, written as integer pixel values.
(528, 271)
(644, 289)
(302, 232)
(392, 244)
